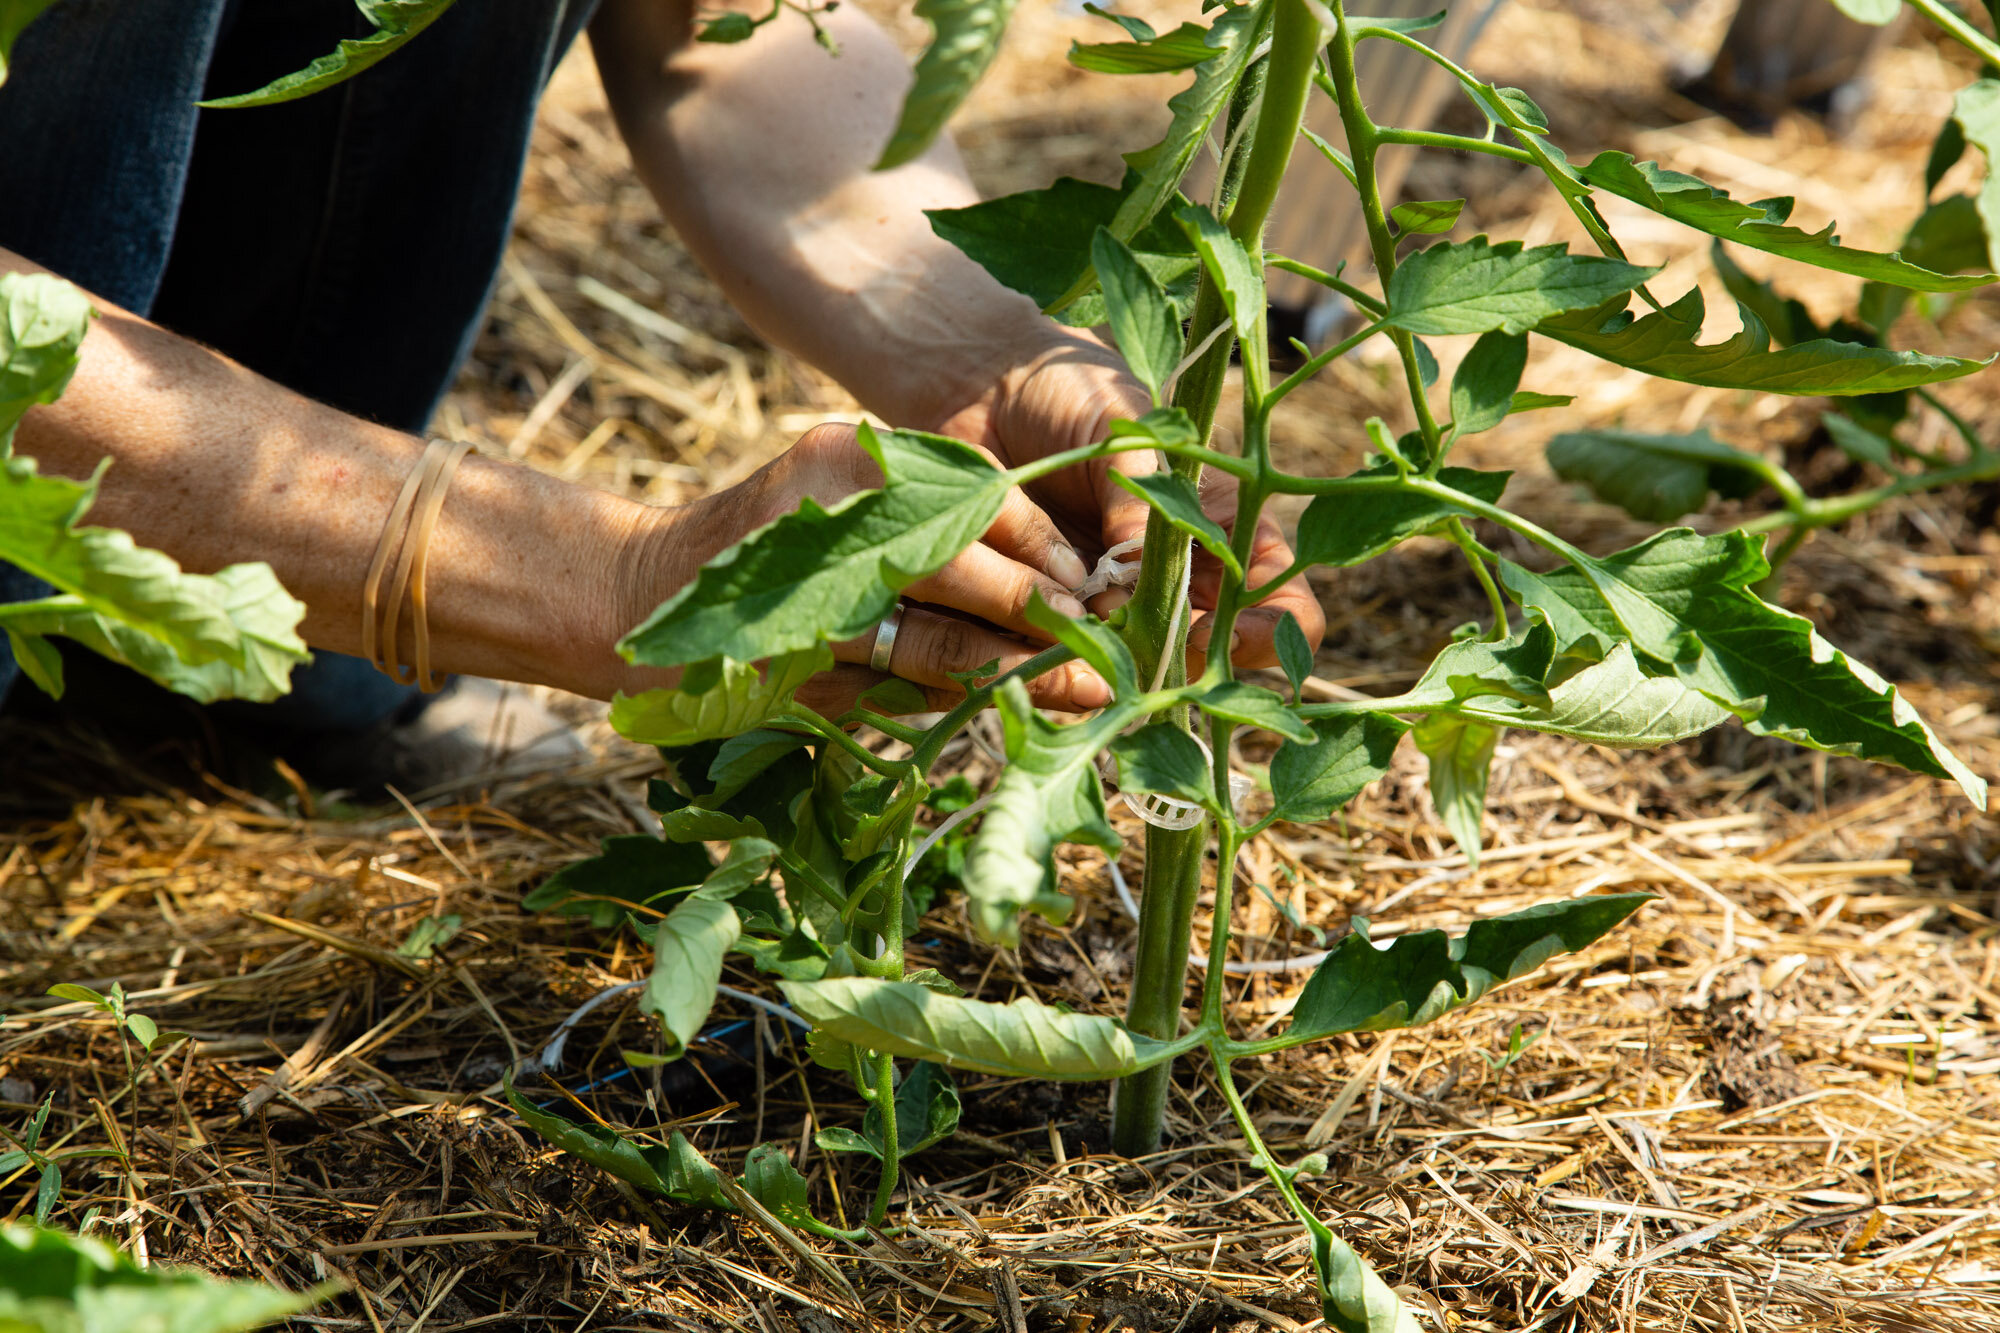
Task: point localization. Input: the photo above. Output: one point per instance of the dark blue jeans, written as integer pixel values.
(343, 245)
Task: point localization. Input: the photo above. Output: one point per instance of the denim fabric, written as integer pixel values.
(343, 244)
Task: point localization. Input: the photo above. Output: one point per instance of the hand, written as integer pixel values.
(1066, 395)
(953, 621)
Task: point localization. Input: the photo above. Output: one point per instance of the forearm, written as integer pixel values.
(529, 578)
(760, 154)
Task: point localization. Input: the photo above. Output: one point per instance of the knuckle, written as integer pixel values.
(946, 645)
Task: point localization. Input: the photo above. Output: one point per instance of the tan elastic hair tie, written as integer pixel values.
(407, 536)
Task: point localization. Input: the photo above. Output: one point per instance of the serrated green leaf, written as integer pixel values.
(1611, 702)
(1516, 668)
(1347, 528)
(1183, 48)
(770, 1178)
(1460, 754)
(1025, 1039)
(1946, 149)
(1422, 976)
(1092, 640)
(1295, 655)
(688, 947)
(1136, 28)
(631, 868)
(1038, 241)
(106, 573)
(677, 1172)
(1475, 286)
(1655, 477)
(927, 1112)
(1310, 782)
(965, 37)
(1236, 276)
(715, 699)
(42, 318)
(1786, 318)
(1254, 706)
(728, 28)
(1949, 236)
(1352, 1298)
(1160, 167)
(1175, 499)
(265, 615)
(1977, 111)
(1143, 321)
(1426, 217)
(1047, 794)
(1483, 387)
(830, 574)
(1163, 758)
(1373, 25)
(396, 22)
(55, 1282)
(1663, 344)
(1695, 203)
(1683, 601)
(1524, 106)
(1858, 442)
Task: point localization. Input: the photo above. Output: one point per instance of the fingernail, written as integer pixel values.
(1066, 567)
(1065, 605)
(1087, 688)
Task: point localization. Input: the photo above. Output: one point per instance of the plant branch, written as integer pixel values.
(1966, 35)
(1363, 139)
(1475, 556)
(1373, 305)
(1463, 143)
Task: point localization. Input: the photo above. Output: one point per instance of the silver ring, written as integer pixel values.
(885, 639)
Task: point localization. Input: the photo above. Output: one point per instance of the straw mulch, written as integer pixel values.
(1768, 1103)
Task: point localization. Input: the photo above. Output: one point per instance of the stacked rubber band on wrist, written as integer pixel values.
(406, 536)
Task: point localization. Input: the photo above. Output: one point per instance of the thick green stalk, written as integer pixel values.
(1274, 91)
(1363, 140)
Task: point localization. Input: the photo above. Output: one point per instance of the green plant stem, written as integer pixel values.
(1312, 367)
(1273, 91)
(1474, 556)
(1363, 139)
(807, 720)
(885, 1065)
(1260, 1153)
(1958, 423)
(1825, 513)
(933, 743)
(1767, 587)
(1463, 143)
(1967, 36)
(1332, 281)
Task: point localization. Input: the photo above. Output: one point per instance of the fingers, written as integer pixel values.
(930, 647)
(1022, 532)
(982, 582)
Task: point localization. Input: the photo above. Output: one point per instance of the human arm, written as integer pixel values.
(761, 152)
(530, 578)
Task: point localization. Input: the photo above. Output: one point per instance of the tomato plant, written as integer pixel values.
(1632, 648)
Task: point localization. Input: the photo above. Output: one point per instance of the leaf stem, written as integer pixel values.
(1363, 140)
(800, 716)
(1825, 513)
(1333, 281)
(933, 742)
(1456, 142)
(1475, 556)
(1967, 36)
